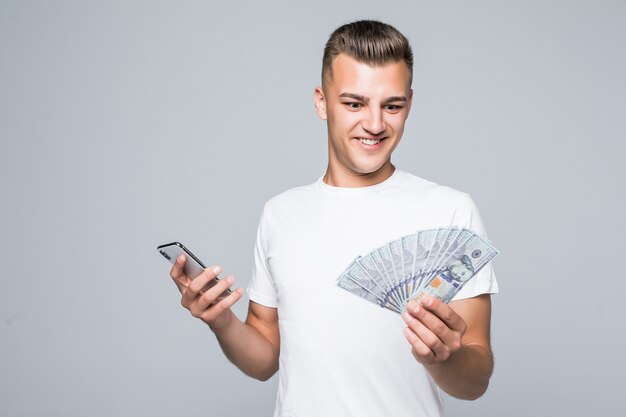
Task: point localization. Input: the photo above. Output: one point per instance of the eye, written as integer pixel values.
(353, 105)
(393, 108)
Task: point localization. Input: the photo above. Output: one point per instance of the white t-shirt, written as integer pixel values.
(341, 355)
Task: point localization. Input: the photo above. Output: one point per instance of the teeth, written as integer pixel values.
(369, 141)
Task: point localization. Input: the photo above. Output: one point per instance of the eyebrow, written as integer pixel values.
(365, 99)
(395, 98)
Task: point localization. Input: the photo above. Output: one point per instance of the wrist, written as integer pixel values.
(221, 324)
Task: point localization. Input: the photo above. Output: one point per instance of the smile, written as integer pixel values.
(370, 141)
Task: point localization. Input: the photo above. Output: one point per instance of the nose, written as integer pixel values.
(373, 122)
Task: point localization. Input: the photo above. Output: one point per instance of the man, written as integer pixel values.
(336, 354)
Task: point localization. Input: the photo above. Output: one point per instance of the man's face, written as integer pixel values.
(365, 108)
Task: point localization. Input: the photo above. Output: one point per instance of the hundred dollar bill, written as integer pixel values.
(470, 257)
(438, 244)
(355, 273)
(442, 242)
(385, 256)
(347, 284)
(424, 244)
(395, 248)
(460, 237)
(371, 269)
(436, 262)
(380, 266)
(449, 246)
(408, 261)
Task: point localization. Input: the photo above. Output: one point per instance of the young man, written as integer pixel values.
(338, 355)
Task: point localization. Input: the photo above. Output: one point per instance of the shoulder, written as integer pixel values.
(425, 190)
(289, 202)
(291, 196)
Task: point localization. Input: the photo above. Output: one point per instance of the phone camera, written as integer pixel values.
(166, 255)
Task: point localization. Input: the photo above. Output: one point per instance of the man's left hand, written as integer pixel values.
(434, 330)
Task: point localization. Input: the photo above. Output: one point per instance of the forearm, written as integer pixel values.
(248, 349)
(466, 373)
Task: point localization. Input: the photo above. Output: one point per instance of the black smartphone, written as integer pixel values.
(193, 267)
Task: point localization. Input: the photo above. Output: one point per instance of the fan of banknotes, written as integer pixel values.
(436, 262)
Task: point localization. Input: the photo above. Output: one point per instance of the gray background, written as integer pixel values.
(124, 125)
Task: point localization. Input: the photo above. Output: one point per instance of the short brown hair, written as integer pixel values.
(369, 41)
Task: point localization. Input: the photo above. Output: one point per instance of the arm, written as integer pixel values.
(252, 346)
(452, 342)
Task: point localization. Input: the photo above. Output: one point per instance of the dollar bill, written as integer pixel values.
(380, 266)
(424, 244)
(467, 260)
(365, 291)
(395, 248)
(371, 269)
(435, 261)
(408, 261)
(385, 255)
(357, 274)
(451, 244)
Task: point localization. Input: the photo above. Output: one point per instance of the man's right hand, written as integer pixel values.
(206, 305)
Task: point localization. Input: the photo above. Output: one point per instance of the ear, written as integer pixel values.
(319, 99)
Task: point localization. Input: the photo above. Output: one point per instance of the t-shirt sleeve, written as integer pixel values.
(484, 282)
(261, 288)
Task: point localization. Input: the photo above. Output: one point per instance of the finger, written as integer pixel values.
(444, 312)
(420, 351)
(195, 288)
(180, 279)
(222, 305)
(432, 322)
(213, 294)
(424, 333)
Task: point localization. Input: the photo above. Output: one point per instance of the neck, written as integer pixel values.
(338, 177)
